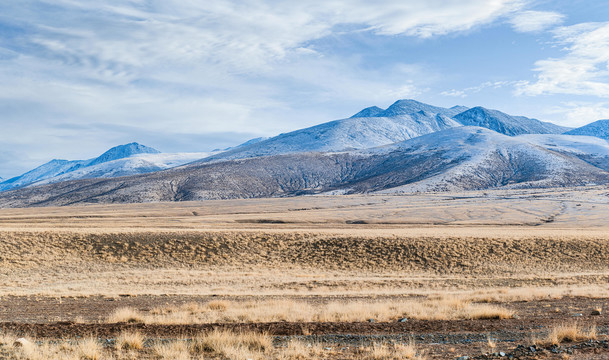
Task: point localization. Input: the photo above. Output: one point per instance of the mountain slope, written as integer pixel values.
(598, 128)
(462, 158)
(506, 124)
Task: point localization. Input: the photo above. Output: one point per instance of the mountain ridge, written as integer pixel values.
(459, 158)
(410, 146)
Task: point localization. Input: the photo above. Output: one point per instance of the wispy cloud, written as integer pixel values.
(462, 93)
(583, 70)
(535, 21)
(582, 113)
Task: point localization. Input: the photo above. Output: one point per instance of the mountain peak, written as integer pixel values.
(409, 106)
(123, 151)
(371, 111)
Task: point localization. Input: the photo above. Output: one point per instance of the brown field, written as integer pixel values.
(320, 277)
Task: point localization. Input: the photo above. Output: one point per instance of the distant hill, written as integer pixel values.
(598, 128)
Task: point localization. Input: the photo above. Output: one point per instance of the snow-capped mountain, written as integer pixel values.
(478, 158)
(405, 119)
(506, 124)
(598, 128)
(123, 151)
(460, 158)
(373, 126)
(129, 159)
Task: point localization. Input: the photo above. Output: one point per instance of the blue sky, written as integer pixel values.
(80, 76)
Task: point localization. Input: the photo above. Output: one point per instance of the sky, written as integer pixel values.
(80, 76)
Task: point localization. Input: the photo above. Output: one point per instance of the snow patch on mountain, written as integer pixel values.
(50, 169)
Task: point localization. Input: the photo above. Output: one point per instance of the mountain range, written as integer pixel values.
(129, 159)
(408, 147)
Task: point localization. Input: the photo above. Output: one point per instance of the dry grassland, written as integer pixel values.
(459, 258)
(301, 311)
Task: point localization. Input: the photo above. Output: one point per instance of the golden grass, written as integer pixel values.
(301, 311)
(89, 349)
(226, 342)
(380, 351)
(567, 333)
(126, 314)
(128, 340)
(175, 350)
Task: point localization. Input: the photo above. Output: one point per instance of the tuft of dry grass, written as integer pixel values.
(128, 340)
(231, 344)
(381, 351)
(175, 350)
(218, 305)
(125, 314)
(89, 349)
(567, 333)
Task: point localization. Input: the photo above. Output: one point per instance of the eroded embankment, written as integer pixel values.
(316, 251)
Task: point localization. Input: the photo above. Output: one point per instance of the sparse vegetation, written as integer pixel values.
(567, 333)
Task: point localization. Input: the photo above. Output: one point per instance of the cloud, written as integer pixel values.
(583, 70)
(201, 67)
(476, 89)
(535, 21)
(583, 113)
